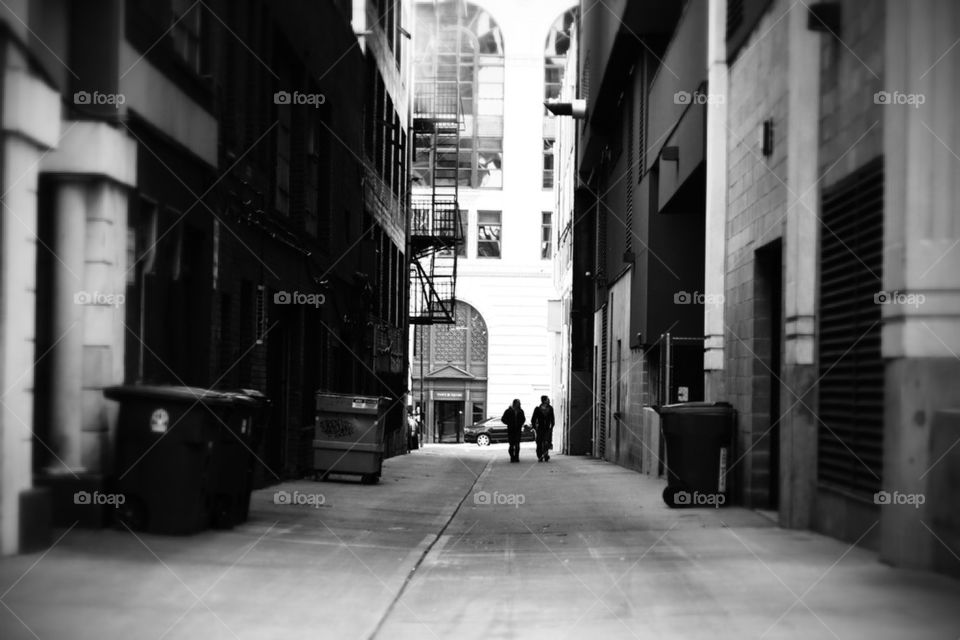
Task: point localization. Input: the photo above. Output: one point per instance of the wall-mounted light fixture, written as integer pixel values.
(824, 17)
(577, 109)
(670, 154)
(766, 137)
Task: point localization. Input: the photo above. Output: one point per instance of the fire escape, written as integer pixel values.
(435, 230)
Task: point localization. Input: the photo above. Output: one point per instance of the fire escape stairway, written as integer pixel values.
(435, 227)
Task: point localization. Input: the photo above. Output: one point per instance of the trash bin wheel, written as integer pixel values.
(370, 478)
(132, 514)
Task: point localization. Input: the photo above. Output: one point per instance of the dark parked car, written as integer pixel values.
(493, 430)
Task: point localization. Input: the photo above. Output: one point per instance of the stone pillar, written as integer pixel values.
(66, 325)
(921, 273)
(30, 123)
(90, 174)
(798, 428)
(715, 242)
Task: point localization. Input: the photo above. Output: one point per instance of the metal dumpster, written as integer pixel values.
(699, 439)
(348, 435)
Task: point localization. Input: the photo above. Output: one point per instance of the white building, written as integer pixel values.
(508, 216)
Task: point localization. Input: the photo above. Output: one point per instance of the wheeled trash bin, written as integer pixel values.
(348, 435)
(233, 458)
(698, 437)
(175, 455)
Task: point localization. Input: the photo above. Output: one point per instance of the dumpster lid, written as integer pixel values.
(697, 407)
(171, 393)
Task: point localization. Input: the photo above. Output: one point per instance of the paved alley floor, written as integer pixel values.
(456, 542)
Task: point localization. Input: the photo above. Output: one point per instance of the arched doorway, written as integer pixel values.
(450, 374)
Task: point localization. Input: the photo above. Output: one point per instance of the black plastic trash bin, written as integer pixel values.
(174, 456)
(233, 457)
(698, 437)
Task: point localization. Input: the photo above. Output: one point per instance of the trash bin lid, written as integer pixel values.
(701, 408)
(171, 393)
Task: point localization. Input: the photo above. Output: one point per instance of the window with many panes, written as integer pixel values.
(554, 61)
(546, 235)
(548, 144)
(465, 59)
(488, 234)
(462, 218)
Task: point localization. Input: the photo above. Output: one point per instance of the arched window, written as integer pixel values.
(463, 343)
(460, 43)
(554, 61)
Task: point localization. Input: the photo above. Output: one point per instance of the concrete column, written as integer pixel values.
(30, 124)
(800, 242)
(67, 304)
(798, 428)
(715, 242)
(103, 331)
(91, 173)
(921, 272)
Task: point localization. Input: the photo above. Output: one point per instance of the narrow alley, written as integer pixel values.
(494, 319)
(458, 543)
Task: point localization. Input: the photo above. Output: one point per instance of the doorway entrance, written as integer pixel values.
(449, 420)
(768, 316)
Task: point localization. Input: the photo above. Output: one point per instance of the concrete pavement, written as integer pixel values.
(457, 543)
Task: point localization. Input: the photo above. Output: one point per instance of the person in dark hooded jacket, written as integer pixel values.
(542, 422)
(514, 418)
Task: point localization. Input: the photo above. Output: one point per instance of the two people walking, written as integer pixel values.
(542, 422)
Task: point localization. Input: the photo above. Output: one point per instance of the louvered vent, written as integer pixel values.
(602, 414)
(850, 436)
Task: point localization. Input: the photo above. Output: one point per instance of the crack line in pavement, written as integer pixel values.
(426, 552)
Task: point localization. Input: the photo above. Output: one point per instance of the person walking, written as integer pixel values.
(542, 422)
(514, 418)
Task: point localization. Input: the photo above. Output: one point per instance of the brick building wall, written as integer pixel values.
(758, 197)
(851, 72)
